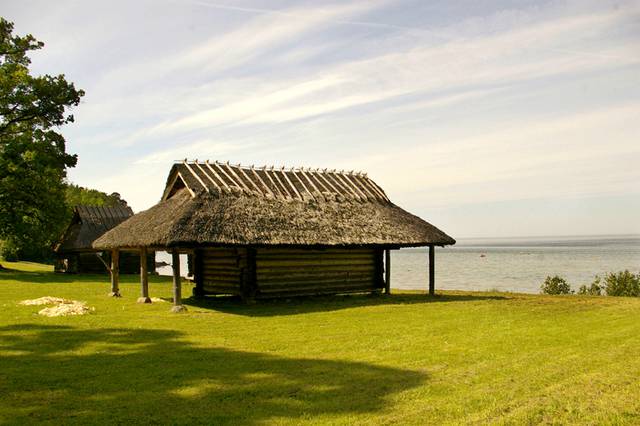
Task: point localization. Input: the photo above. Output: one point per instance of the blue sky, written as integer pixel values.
(486, 118)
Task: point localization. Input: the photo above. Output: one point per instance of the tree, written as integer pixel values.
(33, 157)
(76, 195)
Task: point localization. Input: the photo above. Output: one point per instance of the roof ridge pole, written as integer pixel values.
(295, 190)
(309, 180)
(284, 187)
(301, 182)
(260, 191)
(334, 188)
(336, 177)
(234, 183)
(207, 175)
(206, 188)
(226, 186)
(348, 178)
(244, 185)
(262, 181)
(313, 174)
(275, 186)
(358, 181)
(371, 184)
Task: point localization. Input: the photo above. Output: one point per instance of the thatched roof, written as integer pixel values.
(88, 223)
(220, 204)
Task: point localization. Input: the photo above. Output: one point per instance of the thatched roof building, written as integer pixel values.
(209, 206)
(74, 250)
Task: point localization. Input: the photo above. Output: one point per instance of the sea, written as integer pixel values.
(516, 264)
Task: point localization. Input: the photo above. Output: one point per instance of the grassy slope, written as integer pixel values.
(458, 358)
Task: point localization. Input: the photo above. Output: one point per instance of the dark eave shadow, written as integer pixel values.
(307, 304)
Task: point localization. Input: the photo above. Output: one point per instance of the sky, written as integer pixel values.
(485, 118)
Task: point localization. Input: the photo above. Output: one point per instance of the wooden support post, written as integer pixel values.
(115, 273)
(198, 273)
(177, 285)
(387, 271)
(144, 277)
(249, 284)
(432, 270)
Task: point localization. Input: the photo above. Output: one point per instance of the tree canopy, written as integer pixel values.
(33, 157)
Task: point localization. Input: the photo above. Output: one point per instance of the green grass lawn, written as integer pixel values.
(406, 358)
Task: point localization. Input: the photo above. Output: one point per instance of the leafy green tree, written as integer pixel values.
(33, 157)
(76, 195)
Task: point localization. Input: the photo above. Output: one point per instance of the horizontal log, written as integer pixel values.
(277, 271)
(212, 291)
(315, 291)
(314, 262)
(315, 278)
(315, 285)
(366, 256)
(221, 269)
(262, 251)
(222, 283)
(227, 288)
(219, 252)
(223, 277)
(229, 259)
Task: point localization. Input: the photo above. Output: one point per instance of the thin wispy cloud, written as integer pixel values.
(445, 105)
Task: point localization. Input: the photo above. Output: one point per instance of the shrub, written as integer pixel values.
(622, 284)
(555, 285)
(595, 289)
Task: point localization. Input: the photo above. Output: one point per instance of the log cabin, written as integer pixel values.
(267, 232)
(74, 253)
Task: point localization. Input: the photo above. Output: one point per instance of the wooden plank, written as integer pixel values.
(144, 277)
(284, 187)
(266, 172)
(315, 262)
(290, 250)
(336, 276)
(206, 188)
(262, 182)
(432, 270)
(291, 185)
(387, 271)
(115, 273)
(348, 185)
(263, 271)
(215, 174)
(209, 178)
(235, 175)
(319, 290)
(198, 273)
(177, 285)
(257, 188)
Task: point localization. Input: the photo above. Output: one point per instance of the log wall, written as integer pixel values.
(288, 272)
(281, 272)
(222, 270)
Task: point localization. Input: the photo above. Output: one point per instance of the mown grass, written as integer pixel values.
(407, 358)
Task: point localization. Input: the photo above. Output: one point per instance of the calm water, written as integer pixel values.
(510, 264)
(518, 265)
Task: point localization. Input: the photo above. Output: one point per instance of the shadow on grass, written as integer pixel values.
(49, 277)
(63, 374)
(302, 305)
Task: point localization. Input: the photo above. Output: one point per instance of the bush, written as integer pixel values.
(622, 284)
(555, 285)
(595, 289)
(8, 251)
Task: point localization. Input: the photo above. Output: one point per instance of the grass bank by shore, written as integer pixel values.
(457, 358)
